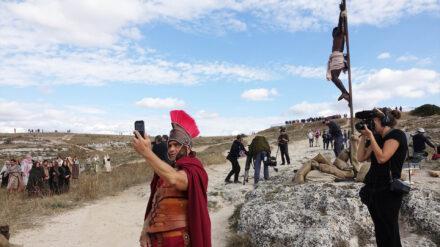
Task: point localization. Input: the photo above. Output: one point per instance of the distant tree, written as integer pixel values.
(426, 110)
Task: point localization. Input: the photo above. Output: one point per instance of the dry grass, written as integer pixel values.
(233, 239)
(20, 212)
(214, 154)
(84, 139)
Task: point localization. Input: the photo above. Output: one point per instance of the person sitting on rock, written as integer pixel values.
(419, 141)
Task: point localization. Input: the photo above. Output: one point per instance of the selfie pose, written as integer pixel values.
(177, 211)
(387, 150)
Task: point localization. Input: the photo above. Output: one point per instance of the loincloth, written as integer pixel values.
(335, 62)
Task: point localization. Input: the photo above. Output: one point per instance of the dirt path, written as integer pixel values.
(117, 220)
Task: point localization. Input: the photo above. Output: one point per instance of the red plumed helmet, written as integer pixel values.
(186, 121)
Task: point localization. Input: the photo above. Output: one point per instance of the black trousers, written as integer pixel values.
(338, 146)
(325, 142)
(235, 170)
(5, 181)
(285, 153)
(384, 210)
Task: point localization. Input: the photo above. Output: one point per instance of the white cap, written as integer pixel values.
(421, 130)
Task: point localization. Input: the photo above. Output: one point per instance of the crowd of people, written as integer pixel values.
(314, 119)
(47, 177)
(327, 138)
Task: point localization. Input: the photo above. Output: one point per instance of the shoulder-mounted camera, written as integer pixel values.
(367, 120)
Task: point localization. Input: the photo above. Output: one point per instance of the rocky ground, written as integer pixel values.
(273, 213)
(279, 213)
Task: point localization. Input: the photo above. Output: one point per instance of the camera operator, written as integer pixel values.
(236, 148)
(387, 150)
(283, 141)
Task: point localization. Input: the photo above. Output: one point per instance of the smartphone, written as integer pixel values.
(139, 126)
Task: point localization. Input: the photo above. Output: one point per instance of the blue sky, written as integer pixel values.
(235, 66)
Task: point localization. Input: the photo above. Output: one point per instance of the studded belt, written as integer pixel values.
(160, 235)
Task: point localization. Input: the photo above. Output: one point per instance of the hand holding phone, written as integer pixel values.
(140, 126)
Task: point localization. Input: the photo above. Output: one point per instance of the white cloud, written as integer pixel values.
(424, 61)
(419, 61)
(45, 90)
(374, 88)
(159, 103)
(248, 124)
(102, 66)
(386, 84)
(321, 109)
(23, 116)
(384, 55)
(73, 22)
(85, 109)
(207, 114)
(305, 71)
(259, 94)
(407, 58)
(31, 24)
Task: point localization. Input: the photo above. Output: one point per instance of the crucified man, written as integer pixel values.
(336, 61)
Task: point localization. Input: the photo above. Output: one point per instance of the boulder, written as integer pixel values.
(421, 211)
(279, 213)
(311, 214)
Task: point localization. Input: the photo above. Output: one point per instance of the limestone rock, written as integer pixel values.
(321, 214)
(280, 213)
(421, 211)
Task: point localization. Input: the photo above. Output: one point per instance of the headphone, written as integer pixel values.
(385, 121)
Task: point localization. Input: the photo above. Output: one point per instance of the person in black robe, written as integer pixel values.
(35, 181)
(54, 178)
(65, 177)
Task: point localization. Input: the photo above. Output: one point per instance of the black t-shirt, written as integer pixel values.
(419, 141)
(379, 174)
(282, 143)
(236, 147)
(161, 150)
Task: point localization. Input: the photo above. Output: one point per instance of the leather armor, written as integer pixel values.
(169, 210)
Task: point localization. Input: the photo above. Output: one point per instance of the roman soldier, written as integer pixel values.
(177, 211)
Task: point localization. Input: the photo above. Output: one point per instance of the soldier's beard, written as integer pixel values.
(183, 152)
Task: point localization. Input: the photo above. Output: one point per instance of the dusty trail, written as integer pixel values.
(117, 220)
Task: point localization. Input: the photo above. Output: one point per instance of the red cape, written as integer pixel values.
(199, 222)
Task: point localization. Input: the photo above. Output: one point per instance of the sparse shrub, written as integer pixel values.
(426, 110)
(59, 205)
(235, 240)
(214, 154)
(233, 219)
(8, 141)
